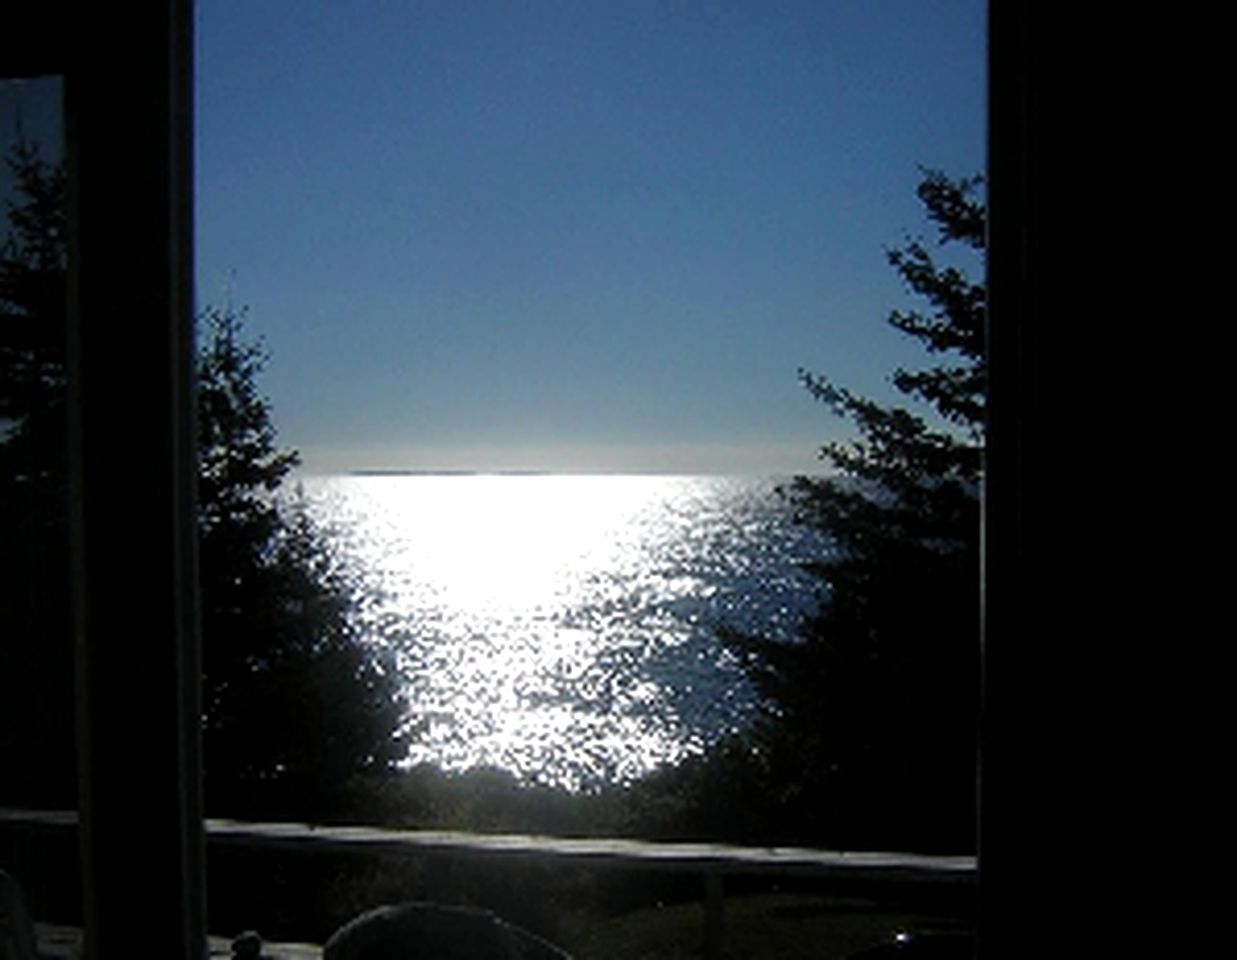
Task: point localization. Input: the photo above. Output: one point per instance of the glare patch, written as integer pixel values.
(564, 627)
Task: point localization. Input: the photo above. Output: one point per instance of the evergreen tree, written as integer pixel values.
(32, 293)
(871, 734)
(36, 706)
(296, 703)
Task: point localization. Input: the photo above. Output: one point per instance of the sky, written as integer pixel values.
(570, 235)
(30, 109)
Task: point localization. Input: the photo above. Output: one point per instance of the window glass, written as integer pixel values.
(526, 288)
(37, 750)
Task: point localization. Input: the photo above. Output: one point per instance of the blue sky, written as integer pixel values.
(572, 235)
(30, 108)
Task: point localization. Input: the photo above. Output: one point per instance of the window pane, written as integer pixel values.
(535, 283)
(37, 748)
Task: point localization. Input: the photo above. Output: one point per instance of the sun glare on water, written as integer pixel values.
(561, 627)
(511, 546)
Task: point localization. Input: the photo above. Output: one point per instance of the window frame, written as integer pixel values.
(129, 136)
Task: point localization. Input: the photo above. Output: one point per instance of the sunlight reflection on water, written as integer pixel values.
(565, 627)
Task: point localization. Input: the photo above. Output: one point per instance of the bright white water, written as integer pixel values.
(566, 627)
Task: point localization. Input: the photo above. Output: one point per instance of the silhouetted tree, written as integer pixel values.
(32, 290)
(296, 703)
(36, 705)
(871, 737)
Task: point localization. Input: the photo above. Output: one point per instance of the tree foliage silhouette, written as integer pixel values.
(32, 290)
(36, 709)
(296, 704)
(871, 737)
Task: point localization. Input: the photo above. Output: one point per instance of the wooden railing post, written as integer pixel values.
(714, 915)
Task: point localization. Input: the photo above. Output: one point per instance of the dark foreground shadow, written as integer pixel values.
(433, 930)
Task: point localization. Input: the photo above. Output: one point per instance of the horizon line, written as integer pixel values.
(548, 472)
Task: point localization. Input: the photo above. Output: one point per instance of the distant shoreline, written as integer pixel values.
(782, 475)
(396, 472)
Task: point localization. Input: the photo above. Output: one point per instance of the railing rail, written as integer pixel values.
(713, 860)
(697, 857)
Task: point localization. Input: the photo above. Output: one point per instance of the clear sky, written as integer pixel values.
(572, 235)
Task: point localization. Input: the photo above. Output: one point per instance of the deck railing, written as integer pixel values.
(713, 861)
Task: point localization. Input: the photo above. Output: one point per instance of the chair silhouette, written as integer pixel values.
(430, 931)
(16, 930)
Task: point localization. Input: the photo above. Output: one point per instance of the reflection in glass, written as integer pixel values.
(37, 753)
(37, 741)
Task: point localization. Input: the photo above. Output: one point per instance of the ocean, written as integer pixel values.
(566, 628)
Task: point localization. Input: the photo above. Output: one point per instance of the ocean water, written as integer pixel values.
(566, 628)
